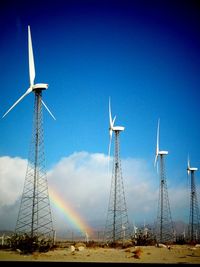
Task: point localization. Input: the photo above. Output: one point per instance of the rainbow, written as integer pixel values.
(71, 215)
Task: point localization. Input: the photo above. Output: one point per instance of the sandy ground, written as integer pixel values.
(148, 254)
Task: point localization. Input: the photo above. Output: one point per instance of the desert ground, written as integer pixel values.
(136, 254)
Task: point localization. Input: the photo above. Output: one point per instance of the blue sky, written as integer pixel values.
(145, 55)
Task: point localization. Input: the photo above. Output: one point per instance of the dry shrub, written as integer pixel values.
(137, 253)
(80, 244)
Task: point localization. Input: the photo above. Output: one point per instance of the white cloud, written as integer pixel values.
(179, 200)
(12, 174)
(82, 181)
(141, 189)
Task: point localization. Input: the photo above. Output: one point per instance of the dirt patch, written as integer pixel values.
(137, 254)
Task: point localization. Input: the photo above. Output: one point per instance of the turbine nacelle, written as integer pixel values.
(193, 169)
(118, 128)
(42, 86)
(162, 152)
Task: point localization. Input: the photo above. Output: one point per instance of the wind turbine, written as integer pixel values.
(124, 232)
(135, 230)
(32, 87)
(34, 217)
(158, 152)
(117, 217)
(190, 169)
(184, 233)
(145, 231)
(194, 223)
(164, 221)
(86, 237)
(112, 128)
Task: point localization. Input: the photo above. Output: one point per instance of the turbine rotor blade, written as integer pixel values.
(48, 110)
(110, 133)
(157, 145)
(109, 147)
(110, 115)
(155, 161)
(31, 59)
(188, 165)
(113, 121)
(110, 143)
(157, 167)
(29, 90)
(157, 142)
(188, 162)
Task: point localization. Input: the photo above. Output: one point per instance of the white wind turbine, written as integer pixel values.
(135, 230)
(145, 231)
(164, 220)
(86, 237)
(112, 128)
(33, 87)
(124, 231)
(194, 218)
(190, 169)
(158, 152)
(184, 233)
(117, 212)
(34, 216)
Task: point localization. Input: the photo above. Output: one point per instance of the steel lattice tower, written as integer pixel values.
(34, 218)
(164, 229)
(194, 223)
(117, 225)
(164, 225)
